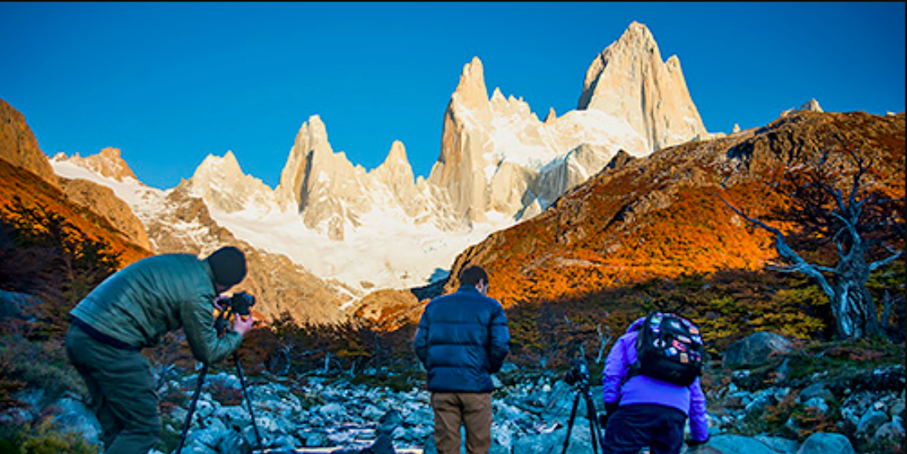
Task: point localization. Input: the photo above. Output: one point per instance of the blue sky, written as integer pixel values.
(170, 83)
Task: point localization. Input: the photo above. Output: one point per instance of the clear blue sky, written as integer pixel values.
(169, 83)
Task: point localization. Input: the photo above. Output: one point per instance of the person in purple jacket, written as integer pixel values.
(645, 411)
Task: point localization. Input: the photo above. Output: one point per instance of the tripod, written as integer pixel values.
(220, 325)
(582, 391)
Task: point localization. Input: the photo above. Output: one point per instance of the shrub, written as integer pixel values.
(38, 365)
(46, 438)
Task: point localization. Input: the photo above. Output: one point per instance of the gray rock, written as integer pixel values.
(382, 445)
(871, 421)
(896, 408)
(892, 430)
(781, 445)
(13, 305)
(755, 350)
(553, 442)
(333, 411)
(816, 390)
(372, 412)
(313, 439)
(233, 442)
(826, 443)
(75, 417)
(819, 404)
(389, 422)
(737, 444)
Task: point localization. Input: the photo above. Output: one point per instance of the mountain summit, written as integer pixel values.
(629, 80)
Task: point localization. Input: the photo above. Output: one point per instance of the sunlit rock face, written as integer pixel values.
(629, 80)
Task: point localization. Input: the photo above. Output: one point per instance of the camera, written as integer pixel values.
(578, 374)
(241, 302)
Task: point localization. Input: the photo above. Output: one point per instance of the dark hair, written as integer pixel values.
(471, 275)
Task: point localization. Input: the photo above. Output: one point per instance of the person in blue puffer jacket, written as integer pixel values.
(462, 339)
(645, 411)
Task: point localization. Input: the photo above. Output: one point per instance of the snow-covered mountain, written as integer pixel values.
(498, 164)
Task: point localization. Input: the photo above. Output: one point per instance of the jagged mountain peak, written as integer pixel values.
(108, 162)
(18, 144)
(629, 80)
(227, 165)
(397, 156)
(473, 77)
(809, 106)
(471, 95)
(221, 182)
(637, 34)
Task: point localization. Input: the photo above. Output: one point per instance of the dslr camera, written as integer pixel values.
(240, 303)
(579, 374)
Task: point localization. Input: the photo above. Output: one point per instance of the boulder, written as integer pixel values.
(737, 444)
(75, 417)
(755, 350)
(14, 305)
(892, 430)
(826, 443)
(871, 421)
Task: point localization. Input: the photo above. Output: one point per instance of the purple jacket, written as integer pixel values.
(647, 390)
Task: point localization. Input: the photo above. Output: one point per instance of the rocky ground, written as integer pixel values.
(767, 396)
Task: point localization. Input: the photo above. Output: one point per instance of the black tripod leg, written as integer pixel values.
(198, 391)
(570, 423)
(242, 381)
(593, 420)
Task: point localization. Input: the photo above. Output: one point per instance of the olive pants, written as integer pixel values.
(122, 391)
(472, 411)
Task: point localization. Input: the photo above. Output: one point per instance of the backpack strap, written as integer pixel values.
(636, 368)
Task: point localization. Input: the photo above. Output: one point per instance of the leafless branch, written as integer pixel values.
(880, 263)
(604, 339)
(786, 251)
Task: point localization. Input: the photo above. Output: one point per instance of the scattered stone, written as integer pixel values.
(737, 444)
(871, 421)
(756, 350)
(826, 443)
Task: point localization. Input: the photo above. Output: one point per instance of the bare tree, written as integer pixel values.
(832, 202)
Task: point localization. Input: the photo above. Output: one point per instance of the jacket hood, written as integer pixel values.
(636, 325)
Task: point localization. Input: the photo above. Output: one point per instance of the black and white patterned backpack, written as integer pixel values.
(668, 347)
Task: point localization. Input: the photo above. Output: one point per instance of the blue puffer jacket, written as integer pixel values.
(462, 340)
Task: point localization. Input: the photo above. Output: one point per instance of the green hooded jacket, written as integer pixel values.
(153, 296)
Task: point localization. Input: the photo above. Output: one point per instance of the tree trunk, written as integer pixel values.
(852, 304)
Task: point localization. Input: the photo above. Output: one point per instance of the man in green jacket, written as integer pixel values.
(131, 310)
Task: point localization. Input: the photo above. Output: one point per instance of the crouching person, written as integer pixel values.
(462, 339)
(648, 411)
(131, 310)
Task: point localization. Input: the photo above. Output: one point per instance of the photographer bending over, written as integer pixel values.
(462, 340)
(131, 310)
(644, 410)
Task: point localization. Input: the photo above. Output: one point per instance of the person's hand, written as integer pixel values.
(220, 302)
(242, 324)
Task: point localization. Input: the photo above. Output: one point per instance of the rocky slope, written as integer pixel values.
(29, 176)
(19, 146)
(660, 216)
(102, 199)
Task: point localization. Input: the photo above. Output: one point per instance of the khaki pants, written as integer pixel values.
(122, 391)
(471, 410)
